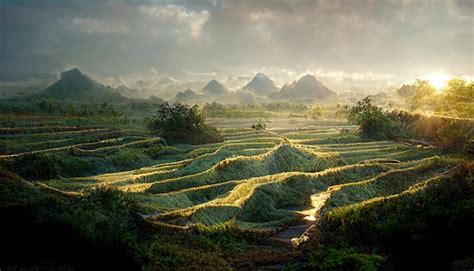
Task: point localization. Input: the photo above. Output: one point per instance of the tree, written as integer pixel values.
(373, 121)
(406, 90)
(315, 112)
(182, 123)
(170, 118)
(457, 99)
(259, 126)
(424, 97)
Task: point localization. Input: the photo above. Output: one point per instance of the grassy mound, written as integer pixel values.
(282, 158)
(392, 182)
(426, 226)
(261, 199)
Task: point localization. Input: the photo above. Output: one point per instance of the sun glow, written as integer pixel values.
(438, 80)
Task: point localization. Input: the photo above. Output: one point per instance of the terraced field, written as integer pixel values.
(277, 180)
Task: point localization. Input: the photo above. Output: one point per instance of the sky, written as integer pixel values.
(349, 45)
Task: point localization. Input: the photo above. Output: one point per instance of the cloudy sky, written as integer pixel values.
(348, 44)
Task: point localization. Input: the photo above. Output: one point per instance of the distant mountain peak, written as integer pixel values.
(74, 85)
(307, 87)
(261, 75)
(165, 80)
(213, 82)
(186, 95)
(214, 87)
(72, 72)
(188, 90)
(309, 78)
(261, 85)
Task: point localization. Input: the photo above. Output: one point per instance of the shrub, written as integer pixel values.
(331, 258)
(184, 124)
(373, 121)
(315, 112)
(259, 126)
(34, 167)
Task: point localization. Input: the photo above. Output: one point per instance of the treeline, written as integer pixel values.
(456, 99)
(57, 107)
(377, 123)
(293, 110)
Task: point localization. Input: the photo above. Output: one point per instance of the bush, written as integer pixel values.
(456, 99)
(331, 258)
(184, 124)
(259, 126)
(373, 121)
(34, 167)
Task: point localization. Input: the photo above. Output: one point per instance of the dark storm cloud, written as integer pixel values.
(178, 37)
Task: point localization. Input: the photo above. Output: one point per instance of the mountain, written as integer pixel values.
(187, 95)
(141, 84)
(214, 88)
(128, 92)
(155, 100)
(261, 85)
(307, 87)
(74, 85)
(165, 80)
(246, 96)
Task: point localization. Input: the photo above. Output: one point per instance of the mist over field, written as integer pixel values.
(237, 135)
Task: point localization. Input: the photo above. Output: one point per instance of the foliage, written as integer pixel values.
(182, 123)
(447, 133)
(34, 167)
(406, 90)
(259, 126)
(423, 98)
(170, 118)
(414, 228)
(315, 112)
(376, 123)
(234, 186)
(106, 216)
(217, 110)
(333, 258)
(456, 99)
(49, 106)
(373, 121)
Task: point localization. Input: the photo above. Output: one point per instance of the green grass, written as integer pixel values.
(259, 179)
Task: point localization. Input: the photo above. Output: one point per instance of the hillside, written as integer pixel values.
(214, 88)
(307, 87)
(76, 86)
(261, 85)
(257, 198)
(187, 95)
(165, 80)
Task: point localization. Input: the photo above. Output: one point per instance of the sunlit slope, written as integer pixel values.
(266, 179)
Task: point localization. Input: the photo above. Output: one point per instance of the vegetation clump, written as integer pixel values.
(34, 167)
(376, 123)
(373, 121)
(456, 99)
(259, 126)
(183, 124)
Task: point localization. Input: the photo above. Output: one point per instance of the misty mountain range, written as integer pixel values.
(76, 86)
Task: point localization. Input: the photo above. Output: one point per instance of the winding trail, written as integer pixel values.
(295, 235)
